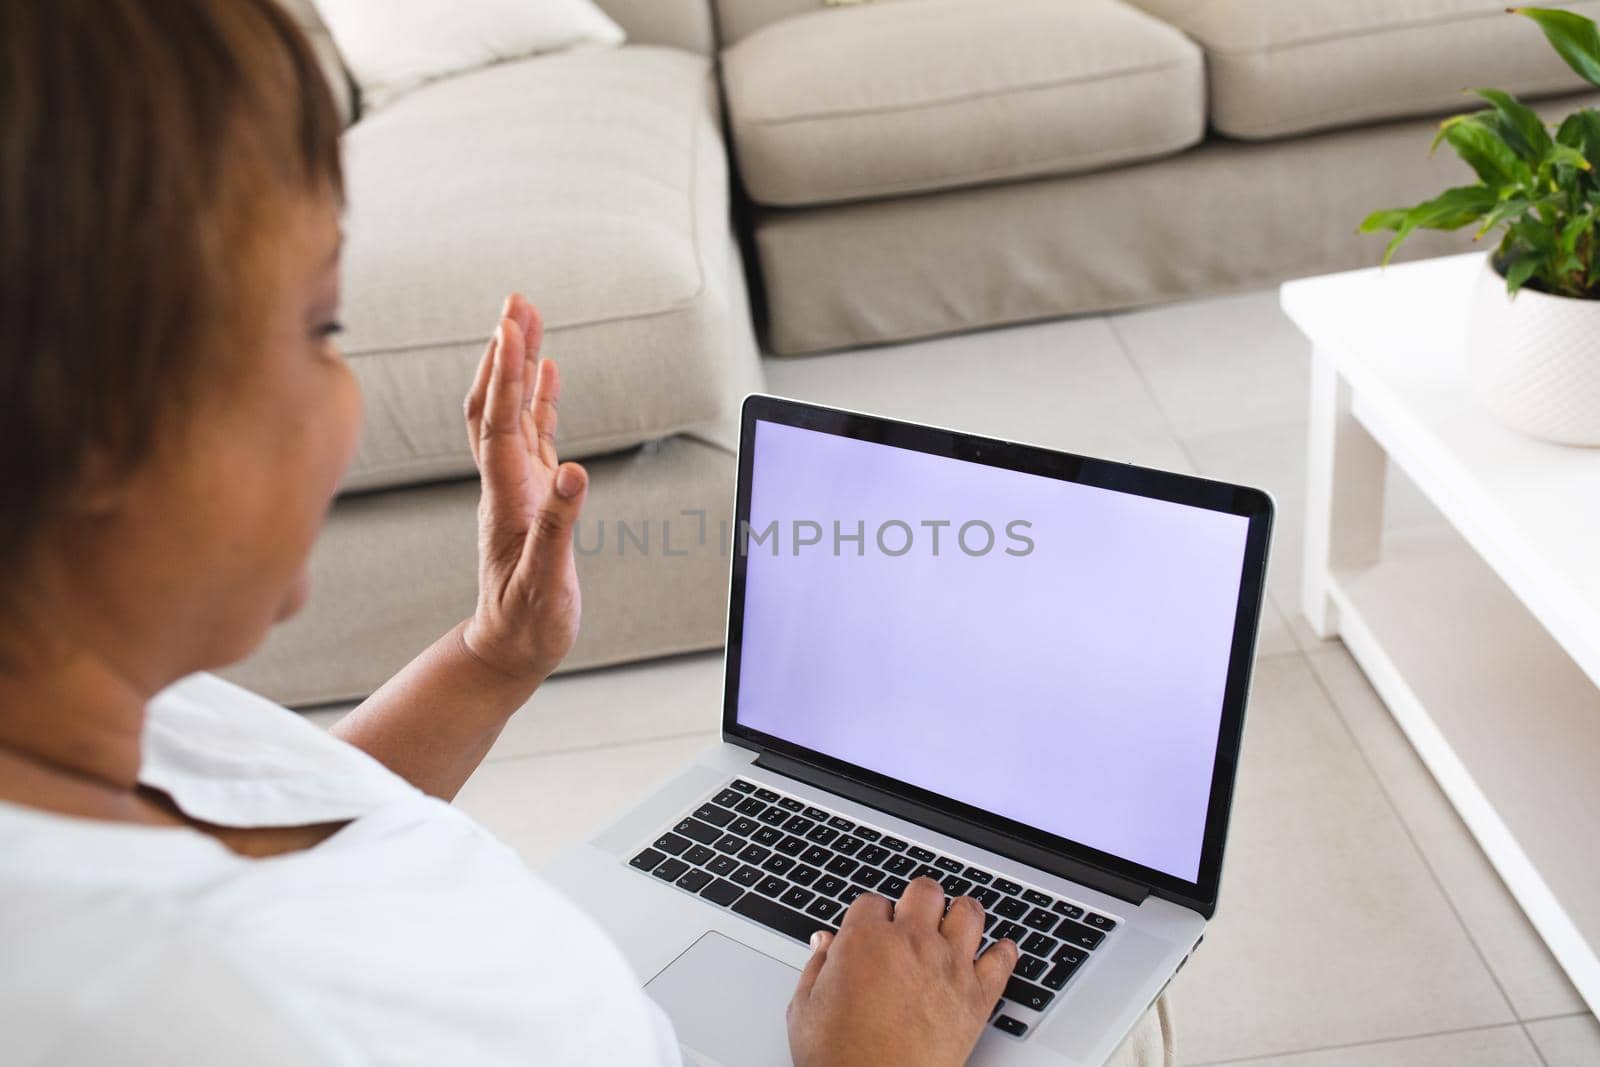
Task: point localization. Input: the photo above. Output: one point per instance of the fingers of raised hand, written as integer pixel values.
(473, 407)
(546, 404)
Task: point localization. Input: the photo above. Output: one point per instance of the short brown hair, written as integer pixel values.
(136, 140)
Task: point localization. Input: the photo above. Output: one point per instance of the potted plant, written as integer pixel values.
(1534, 330)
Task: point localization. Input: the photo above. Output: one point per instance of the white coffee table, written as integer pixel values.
(1484, 639)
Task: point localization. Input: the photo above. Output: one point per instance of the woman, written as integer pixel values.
(189, 874)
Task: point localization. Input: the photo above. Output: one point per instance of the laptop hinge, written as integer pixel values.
(964, 829)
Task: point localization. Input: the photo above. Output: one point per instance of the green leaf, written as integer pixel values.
(1573, 36)
(1389, 219)
(1523, 130)
(1581, 131)
(1505, 209)
(1520, 270)
(1561, 153)
(1486, 152)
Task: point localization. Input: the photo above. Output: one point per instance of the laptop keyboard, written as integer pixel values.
(794, 867)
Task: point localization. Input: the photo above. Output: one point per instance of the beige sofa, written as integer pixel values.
(595, 182)
(919, 167)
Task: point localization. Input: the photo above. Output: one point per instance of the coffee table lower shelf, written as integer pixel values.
(1501, 716)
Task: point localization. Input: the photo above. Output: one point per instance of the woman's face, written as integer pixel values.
(205, 546)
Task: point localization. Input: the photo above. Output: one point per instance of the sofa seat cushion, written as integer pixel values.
(595, 183)
(1279, 69)
(882, 99)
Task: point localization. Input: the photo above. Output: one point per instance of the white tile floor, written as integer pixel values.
(1360, 925)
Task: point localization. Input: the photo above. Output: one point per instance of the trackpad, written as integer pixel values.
(727, 1003)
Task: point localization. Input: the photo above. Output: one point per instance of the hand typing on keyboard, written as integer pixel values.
(898, 983)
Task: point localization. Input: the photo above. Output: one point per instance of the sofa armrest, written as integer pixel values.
(682, 24)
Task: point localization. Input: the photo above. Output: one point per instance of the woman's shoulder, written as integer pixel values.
(228, 756)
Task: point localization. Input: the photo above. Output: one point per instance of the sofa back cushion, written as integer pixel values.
(738, 19)
(684, 24)
(400, 45)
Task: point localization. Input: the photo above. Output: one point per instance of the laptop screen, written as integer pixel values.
(1051, 652)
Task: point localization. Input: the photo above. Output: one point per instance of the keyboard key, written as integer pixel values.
(1078, 934)
(945, 863)
(920, 854)
(868, 876)
(981, 877)
(893, 844)
(727, 798)
(1071, 911)
(1011, 1026)
(1039, 945)
(1031, 967)
(774, 816)
(672, 844)
(791, 804)
(815, 814)
(699, 855)
(799, 824)
(1070, 954)
(867, 833)
(829, 885)
(892, 887)
(1027, 994)
(986, 896)
(767, 835)
(746, 875)
(1040, 919)
(750, 806)
(797, 897)
(900, 865)
(722, 892)
(723, 866)
(927, 870)
(1038, 899)
(778, 864)
(816, 855)
(744, 826)
(823, 908)
(647, 859)
(741, 785)
(670, 870)
(850, 892)
(696, 830)
(714, 815)
(768, 795)
(729, 843)
(956, 886)
(849, 844)
(754, 853)
(803, 875)
(1058, 975)
(1011, 930)
(841, 865)
(839, 822)
(771, 886)
(822, 834)
(791, 846)
(1011, 908)
(988, 921)
(873, 854)
(1007, 886)
(694, 881)
(1099, 922)
(784, 920)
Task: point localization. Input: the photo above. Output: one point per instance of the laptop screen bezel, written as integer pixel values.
(1252, 504)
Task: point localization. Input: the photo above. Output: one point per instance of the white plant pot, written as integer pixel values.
(1535, 360)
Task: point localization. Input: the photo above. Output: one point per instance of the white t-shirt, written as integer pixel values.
(411, 936)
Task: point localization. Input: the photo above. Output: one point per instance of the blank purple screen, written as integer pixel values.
(1074, 686)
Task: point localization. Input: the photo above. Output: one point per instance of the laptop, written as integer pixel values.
(1017, 671)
